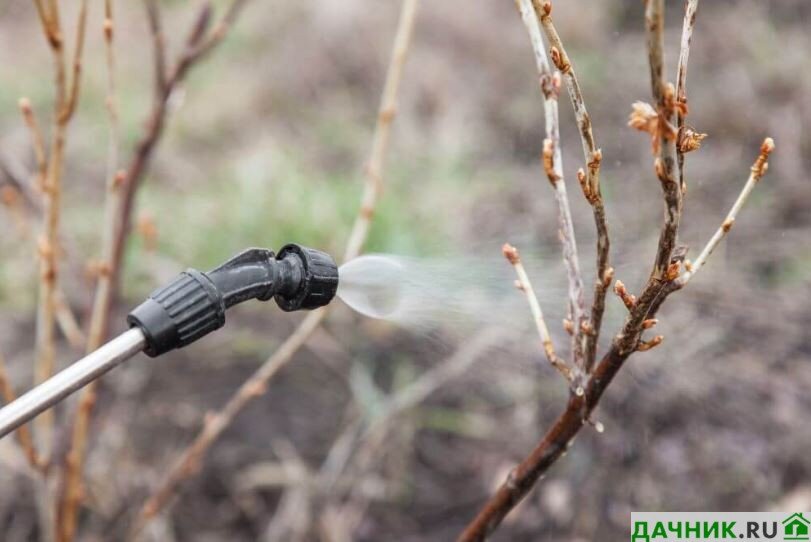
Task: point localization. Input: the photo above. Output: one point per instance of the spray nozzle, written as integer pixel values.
(194, 303)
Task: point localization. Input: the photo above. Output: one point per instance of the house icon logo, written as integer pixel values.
(795, 527)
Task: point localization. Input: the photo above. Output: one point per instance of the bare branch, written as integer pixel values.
(48, 243)
(681, 82)
(11, 197)
(121, 198)
(44, 19)
(578, 410)
(524, 284)
(67, 321)
(759, 168)
(37, 140)
(191, 459)
(73, 484)
(553, 166)
(380, 142)
(144, 148)
(111, 100)
(158, 45)
(642, 310)
(76, 78)
(666, 165)
(589, 179)
(23, 433)
(219, 32)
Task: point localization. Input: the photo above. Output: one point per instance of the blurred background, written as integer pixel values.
(266, 144)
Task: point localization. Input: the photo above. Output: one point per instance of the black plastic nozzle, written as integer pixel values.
(194, 303)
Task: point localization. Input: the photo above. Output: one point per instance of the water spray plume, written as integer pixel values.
(424, 295)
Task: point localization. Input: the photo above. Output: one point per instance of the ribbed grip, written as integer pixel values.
(194, 303)
(179, 313)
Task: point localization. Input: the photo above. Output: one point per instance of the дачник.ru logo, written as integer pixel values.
(706, 526)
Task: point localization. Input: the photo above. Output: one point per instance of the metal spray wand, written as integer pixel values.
(189, 307)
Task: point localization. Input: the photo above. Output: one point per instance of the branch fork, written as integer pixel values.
(669, 145)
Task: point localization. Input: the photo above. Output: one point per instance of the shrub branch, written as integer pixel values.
(552, 162)
(664, 280)
(589, 180)
(190, 460)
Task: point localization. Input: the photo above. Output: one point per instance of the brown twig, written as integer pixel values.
(67, 321)
(553, 166)
(48, 243)
(759, 168)
(589, 178)
(158, 45)
(690, 12)
(190, 460)
(524, 284)
(666, 166)
(121, 190)
(11, 198)
(23, 433)
(72, 491)
(69, 107)
(221, 29)
(165, 85)
(380, 141)
(37, 140)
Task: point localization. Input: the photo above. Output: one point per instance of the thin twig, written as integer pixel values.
(165, 83)
(67, 321)
(122, 188)
(11, 197)
(47, 27)
(759, 168)
(37, 140)
(158, 45)
(23, 433)
(73, 485)
(73, 96)
(380, 141)
(681, 80)
(111, 101)
(523, 283)
(48, 244)
(221, 29)
(666, 166)
(191, 459)
(590, 179)
(553, 166)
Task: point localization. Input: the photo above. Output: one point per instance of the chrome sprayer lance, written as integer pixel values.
(188, 308)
